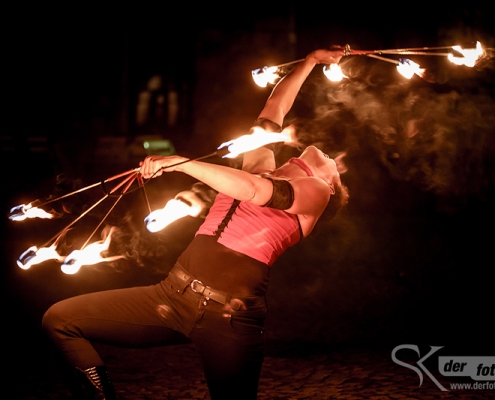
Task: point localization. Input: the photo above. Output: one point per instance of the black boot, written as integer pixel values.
(96, 384)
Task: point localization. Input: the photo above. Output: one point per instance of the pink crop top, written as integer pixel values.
(262, 233)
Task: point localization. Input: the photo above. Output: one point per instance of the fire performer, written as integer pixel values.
(214, 296)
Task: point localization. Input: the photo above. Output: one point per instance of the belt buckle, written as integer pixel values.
(194, 283)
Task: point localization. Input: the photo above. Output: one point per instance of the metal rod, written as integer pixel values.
(110, 210)
(282, 65)
(89, 187)
(77, 219)
(420, 53)
(191, 159)
(420, 48)
(131, 178)
(289, 63)
(408, 52)
(383, 58)
(141, 185)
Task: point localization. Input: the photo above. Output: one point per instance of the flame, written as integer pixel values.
(408, 68)
(255, 140)
(333, 72)
(266, 75)
(87, 256)
(33, 255)
(173, 210)
(469, 56)
(21, 212)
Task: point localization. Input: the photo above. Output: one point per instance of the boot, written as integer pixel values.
(96, 384)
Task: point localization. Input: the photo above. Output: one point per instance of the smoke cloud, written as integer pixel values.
(436, 133)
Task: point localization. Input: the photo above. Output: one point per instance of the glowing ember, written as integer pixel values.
(469, 56)
(173, 210)
(266, 75)
(333, 72)
(33, 255)
(255, 140)
(408, 68)
(22, 212)
(88, 256)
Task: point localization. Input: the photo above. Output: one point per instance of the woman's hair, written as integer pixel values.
(337, 202)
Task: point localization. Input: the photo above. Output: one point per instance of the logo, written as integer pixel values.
(434, 349)
(478, 368)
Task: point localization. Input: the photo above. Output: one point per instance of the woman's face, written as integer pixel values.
(321, 165)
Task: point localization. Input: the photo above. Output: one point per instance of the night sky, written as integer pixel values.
(410, 259)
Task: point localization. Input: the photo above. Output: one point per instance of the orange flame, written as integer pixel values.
(469, 56)
(22, 212)
(255, 140)
(88, 256)
(33, 255)
(173, 210)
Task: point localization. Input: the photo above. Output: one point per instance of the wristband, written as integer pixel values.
(268, 125)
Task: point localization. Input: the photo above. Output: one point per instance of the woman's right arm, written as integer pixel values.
(285, 91)
(280, 102)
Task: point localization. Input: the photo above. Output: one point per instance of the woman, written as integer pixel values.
(214, 295)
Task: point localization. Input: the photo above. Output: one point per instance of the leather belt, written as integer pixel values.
(198, 287)
(208, 292)
(256, 305)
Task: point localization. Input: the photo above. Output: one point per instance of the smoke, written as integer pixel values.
(436, 133)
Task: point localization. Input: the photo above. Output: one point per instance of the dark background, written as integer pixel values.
(402, 264)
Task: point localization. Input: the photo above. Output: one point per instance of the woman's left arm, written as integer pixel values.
(235, 183)
(311, 194)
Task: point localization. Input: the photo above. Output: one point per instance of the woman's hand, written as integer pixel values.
(154, 166)
(324, 56)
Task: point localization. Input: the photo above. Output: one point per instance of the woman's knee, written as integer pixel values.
(56, 319)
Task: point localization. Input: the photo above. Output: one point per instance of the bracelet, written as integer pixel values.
(268, 125)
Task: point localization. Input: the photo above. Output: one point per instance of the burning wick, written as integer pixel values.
(269, 75)
(469, 56)
(87, 256)
(333, 72)
(33, 255)
(408, 68)
(255, 140)
(22, 212)
(173, 210)
(264, 76)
